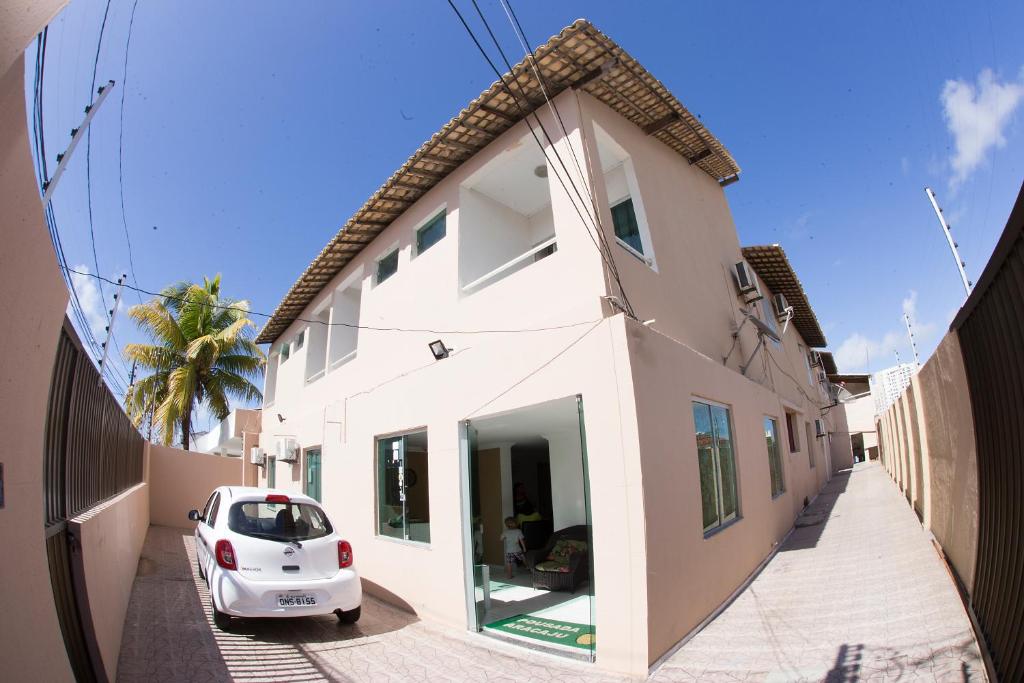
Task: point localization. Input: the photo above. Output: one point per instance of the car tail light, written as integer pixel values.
(225, 555)
(344, 554)
(277, 498)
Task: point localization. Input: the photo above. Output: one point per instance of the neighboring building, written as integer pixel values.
(888, 384)
(225, 438)
(674, 444)
(855, 396)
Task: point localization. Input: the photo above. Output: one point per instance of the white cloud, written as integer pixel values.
(91, 300)
(976, 115)
(858, 352)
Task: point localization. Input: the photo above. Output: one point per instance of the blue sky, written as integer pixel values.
(252, 130)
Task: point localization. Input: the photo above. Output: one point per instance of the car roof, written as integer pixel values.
(256, 493)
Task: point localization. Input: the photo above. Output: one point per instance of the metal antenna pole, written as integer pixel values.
(949, 238)
(110, 326)
(76, 134)
(913, 344)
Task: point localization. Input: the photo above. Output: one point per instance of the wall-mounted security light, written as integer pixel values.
(541, 171)
(439, 350)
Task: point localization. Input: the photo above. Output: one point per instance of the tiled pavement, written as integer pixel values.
(169, 636)
(862, 596)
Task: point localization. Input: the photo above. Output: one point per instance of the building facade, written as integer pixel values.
(557, 333)
(888, 384)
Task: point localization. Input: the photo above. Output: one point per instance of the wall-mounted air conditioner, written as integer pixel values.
(782, 307)
(819, 428)
(257, 456)
(287, 450)
(746, 281)
(815, 358)
(823, 377)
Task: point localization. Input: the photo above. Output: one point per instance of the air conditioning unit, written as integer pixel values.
(287, 450)
(745, 279)
(819, 428)
(823, 377)
(815, 358)
(257, 456)
(782, 307)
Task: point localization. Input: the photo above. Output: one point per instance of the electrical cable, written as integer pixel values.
(314, 321)
(603, 248)
(88, 152)
(120, 149)
(525, 114)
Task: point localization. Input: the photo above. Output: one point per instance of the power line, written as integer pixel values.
(88, 151)
(314, 321)
(606, 257)
(120, 149)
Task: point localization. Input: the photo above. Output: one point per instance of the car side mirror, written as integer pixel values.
(195, 516)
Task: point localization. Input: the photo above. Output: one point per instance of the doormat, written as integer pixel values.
(547, 630)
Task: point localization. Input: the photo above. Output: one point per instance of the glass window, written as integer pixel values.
(430, 234)
(300, 340)
(286, 352)
(769, 318)
(771, 437)
(279, 521)
(213, 510)
(626, 227)
(810, 445)
(792, 433)
(387, 266)
(717, 464)
(403, 496)
(209, 508)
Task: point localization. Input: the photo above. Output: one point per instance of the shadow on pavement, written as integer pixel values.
(811, 522)
(169, 632)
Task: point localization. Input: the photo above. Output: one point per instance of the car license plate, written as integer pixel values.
(295, 600)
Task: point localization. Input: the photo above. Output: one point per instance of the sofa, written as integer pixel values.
(564, 561)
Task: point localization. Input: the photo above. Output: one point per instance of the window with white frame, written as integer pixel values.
(717, 464)
(771, 437)
(345, 313)
(316, 354)
(270, 379)
(387, 266)
(629, 220)
(768, 309)
(430, 233)
(286, 352)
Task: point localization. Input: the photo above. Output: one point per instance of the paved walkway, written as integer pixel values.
(169, 636)
(861, 596)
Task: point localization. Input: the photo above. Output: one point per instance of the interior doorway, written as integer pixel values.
(527, 528)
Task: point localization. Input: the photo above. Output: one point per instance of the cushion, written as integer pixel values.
(552, 566)
(565, 548)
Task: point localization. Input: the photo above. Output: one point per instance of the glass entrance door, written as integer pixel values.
(313, 473)
(477, 569)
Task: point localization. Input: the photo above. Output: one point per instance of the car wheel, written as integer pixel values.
(349, 617)
(220, 620)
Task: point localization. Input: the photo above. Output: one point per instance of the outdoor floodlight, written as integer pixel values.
(439, 350)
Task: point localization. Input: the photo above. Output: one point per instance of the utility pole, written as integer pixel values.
(946, 230)
(913, 344)
(76, 134)
(110, 326)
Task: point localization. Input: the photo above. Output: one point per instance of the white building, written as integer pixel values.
(674, 447)
(888, 384)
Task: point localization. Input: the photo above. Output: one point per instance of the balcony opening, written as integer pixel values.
(316, 354)
(344, 323)
(270, 379)
(505, 217)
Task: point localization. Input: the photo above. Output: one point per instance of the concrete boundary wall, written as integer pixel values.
(183, 480)
(928, 448)
(110, 538)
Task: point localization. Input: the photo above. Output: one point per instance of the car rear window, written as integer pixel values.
(279, 521)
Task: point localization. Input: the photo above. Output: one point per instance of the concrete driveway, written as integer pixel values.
(169, 636)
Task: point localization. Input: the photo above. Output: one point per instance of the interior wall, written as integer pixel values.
(417, 497)
(491, 517)
(492, 234)
(943, 419)
(111, 536)
(183, 480)
(32, 308)
(568, 501)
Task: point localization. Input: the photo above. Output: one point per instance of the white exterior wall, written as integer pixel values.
(393, 385)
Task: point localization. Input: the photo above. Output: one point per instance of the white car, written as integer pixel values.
(270, 553)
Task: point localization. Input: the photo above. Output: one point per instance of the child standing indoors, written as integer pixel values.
(515, 546)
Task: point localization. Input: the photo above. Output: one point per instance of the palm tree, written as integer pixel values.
(203, 353)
